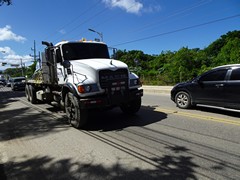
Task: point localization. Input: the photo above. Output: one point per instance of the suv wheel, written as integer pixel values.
(183, 100)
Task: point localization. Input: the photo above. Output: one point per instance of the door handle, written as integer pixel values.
(219, 85)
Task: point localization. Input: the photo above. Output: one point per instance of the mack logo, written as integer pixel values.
(113, 76)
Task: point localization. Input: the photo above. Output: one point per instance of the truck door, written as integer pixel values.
(60, 68)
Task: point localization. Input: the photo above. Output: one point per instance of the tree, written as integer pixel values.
(230, 53)
(182, 65)
(214, 48)
(8, 2)
(31, 69)
(13, 72)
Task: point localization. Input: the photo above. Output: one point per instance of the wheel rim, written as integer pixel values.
(182, 100)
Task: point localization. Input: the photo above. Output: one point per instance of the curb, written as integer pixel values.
(157, 89)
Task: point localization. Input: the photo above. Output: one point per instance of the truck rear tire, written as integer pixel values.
(32, 94)
(27, 92)
(77, 117)
(131, 107)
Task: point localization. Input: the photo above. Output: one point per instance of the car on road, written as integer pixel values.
(18, 83)
(2, 82)
(218, 87)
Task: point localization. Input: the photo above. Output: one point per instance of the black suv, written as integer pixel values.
(217, 87)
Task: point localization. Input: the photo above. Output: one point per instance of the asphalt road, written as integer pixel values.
(160, 142)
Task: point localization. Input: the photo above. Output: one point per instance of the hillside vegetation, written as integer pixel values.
(169, 68)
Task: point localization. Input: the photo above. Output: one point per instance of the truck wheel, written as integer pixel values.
(32, 94)
(13, 89)
(77, 117)
(27, 92)
(131, 107)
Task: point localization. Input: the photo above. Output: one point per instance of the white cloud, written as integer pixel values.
(16, 59)
(10, 57)
(6, 50)
(130, 6)
(7, 34)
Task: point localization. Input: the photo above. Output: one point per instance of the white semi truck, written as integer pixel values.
(81, 76)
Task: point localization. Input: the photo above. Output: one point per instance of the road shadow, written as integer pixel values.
(18, 120)
(115, 119)
(7, 96)
(44, 167)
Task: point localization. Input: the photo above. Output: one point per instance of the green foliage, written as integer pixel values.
(31, 69)
(14, 72)
(169, 68)
(25, 71)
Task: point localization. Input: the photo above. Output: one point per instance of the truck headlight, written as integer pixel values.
(87, 88)
(135, 82)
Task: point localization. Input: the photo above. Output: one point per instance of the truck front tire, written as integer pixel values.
(131, 107)
(77, 117)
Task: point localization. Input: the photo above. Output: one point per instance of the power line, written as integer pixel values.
(76, 18)
(89, 19)
(178, 30)
(176, 13)
(110, 18)
(92, 17)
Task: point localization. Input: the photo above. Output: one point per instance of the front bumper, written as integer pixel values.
(110, 99)
(19, 86)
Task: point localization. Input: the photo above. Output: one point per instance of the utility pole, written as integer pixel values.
(22, 67)
(34, 51)
(36, 58)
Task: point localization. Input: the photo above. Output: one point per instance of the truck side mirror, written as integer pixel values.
(66, 64)
(114, 53)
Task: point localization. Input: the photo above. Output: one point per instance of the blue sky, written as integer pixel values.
(152, 26)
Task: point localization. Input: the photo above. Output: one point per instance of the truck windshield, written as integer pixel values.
(74, 51)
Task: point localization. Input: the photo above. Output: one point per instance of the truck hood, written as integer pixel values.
(87, 70)
(99, 64)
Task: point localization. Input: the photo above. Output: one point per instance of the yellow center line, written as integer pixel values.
(203, 117)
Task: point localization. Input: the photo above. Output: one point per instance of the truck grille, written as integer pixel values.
(108, 78)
